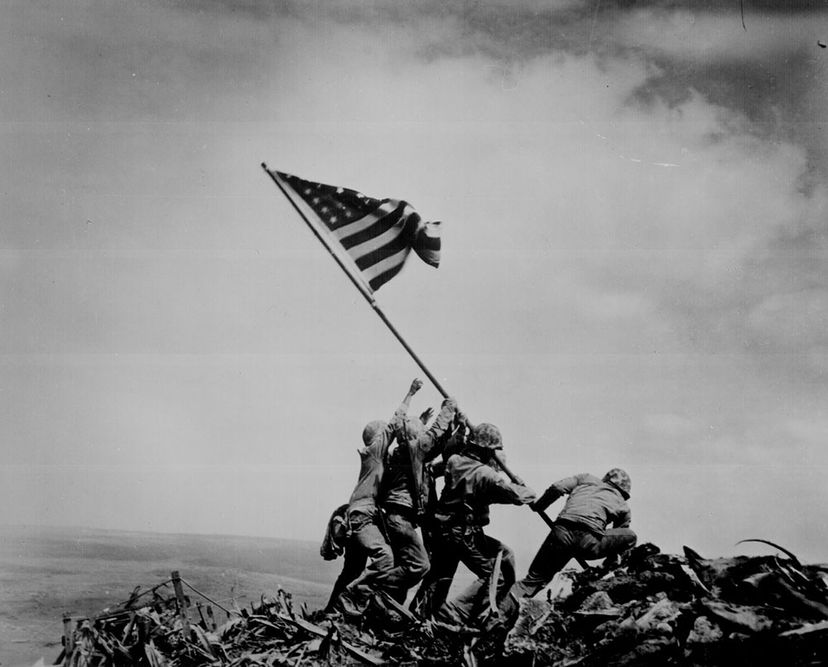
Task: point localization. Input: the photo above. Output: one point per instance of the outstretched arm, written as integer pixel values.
(555, 491)
(498, 490)
(402, 411)
(547, 498)
(432, 441)
(416, 385)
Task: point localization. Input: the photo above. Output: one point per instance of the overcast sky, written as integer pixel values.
(635, 227)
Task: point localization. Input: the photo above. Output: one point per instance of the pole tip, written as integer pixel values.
(264, 166)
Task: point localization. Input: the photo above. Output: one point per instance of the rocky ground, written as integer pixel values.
(648, 608)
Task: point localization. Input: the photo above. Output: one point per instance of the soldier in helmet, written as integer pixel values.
(473, 482)
(405, 492)
(367, 542)
(581, 529)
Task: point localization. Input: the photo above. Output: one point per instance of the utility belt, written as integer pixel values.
(569, 524)
(447, 521)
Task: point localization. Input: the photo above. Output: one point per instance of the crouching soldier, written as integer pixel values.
(472, 483)
(581, 527)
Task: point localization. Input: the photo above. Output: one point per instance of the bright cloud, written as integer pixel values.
(632, 274)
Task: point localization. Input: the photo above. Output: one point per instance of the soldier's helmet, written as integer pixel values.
(371, 430)
(486, 436)
(620, 480)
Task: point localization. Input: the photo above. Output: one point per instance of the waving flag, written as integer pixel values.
(377, 234)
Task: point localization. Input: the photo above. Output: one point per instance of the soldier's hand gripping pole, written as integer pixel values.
(517, 480)
(541, 513)
(512, 476)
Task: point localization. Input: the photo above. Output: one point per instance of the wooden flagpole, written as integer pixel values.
(359, 284)
(369, 297)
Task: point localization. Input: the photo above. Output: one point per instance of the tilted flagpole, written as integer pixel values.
(369, 297)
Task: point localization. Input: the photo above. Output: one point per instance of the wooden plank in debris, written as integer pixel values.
(396, 606)
(493, 581)
(741, 617)
(182, 603)
(807, 629)
(321, 632)
(797, 599)
(68, 638)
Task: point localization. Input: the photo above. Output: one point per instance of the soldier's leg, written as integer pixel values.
(355, 561)
(410, 557)
(614, 541)
(553, 554)
(478, 552)
(380, 562)
(436, 584)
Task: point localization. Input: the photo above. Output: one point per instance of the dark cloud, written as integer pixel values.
(719, 6)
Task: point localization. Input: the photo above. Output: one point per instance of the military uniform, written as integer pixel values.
(471, 486)
(405, 494)
(581, 528)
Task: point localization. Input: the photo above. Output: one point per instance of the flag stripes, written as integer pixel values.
(381, 227)
(377, 234)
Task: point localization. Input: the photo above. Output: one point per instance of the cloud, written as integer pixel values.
(668, 207)
(712, 37)
(797, 321)
(670, 425)
(813, 431)
(633, 273)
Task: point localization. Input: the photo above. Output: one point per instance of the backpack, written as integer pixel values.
(337, 533)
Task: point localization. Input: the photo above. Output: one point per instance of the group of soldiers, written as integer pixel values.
(396, 531)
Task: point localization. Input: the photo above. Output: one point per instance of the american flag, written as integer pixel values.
(378, 234)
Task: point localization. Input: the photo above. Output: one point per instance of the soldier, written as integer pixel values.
(581, 527)
(367, 542)
(472, 483)
(405, 493)
(337, 542)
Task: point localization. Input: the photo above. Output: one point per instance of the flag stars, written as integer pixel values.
(336, 208)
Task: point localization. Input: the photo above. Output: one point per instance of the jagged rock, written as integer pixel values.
(661, 613)
(704, 632)
(739, 618)
(597, 601)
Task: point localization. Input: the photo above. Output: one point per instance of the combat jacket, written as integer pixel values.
(405, 486)
(372, 466)
(470, 487)
(592, 503)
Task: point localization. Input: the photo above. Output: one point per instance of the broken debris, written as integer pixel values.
(647, 609)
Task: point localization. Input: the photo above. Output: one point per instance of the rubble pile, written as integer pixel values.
(658, 609)
(162, 628)
(647, 608)
(160, 632)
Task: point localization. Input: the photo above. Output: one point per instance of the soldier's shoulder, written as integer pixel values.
(457, 460)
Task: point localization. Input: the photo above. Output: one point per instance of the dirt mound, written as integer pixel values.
(648, 609)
